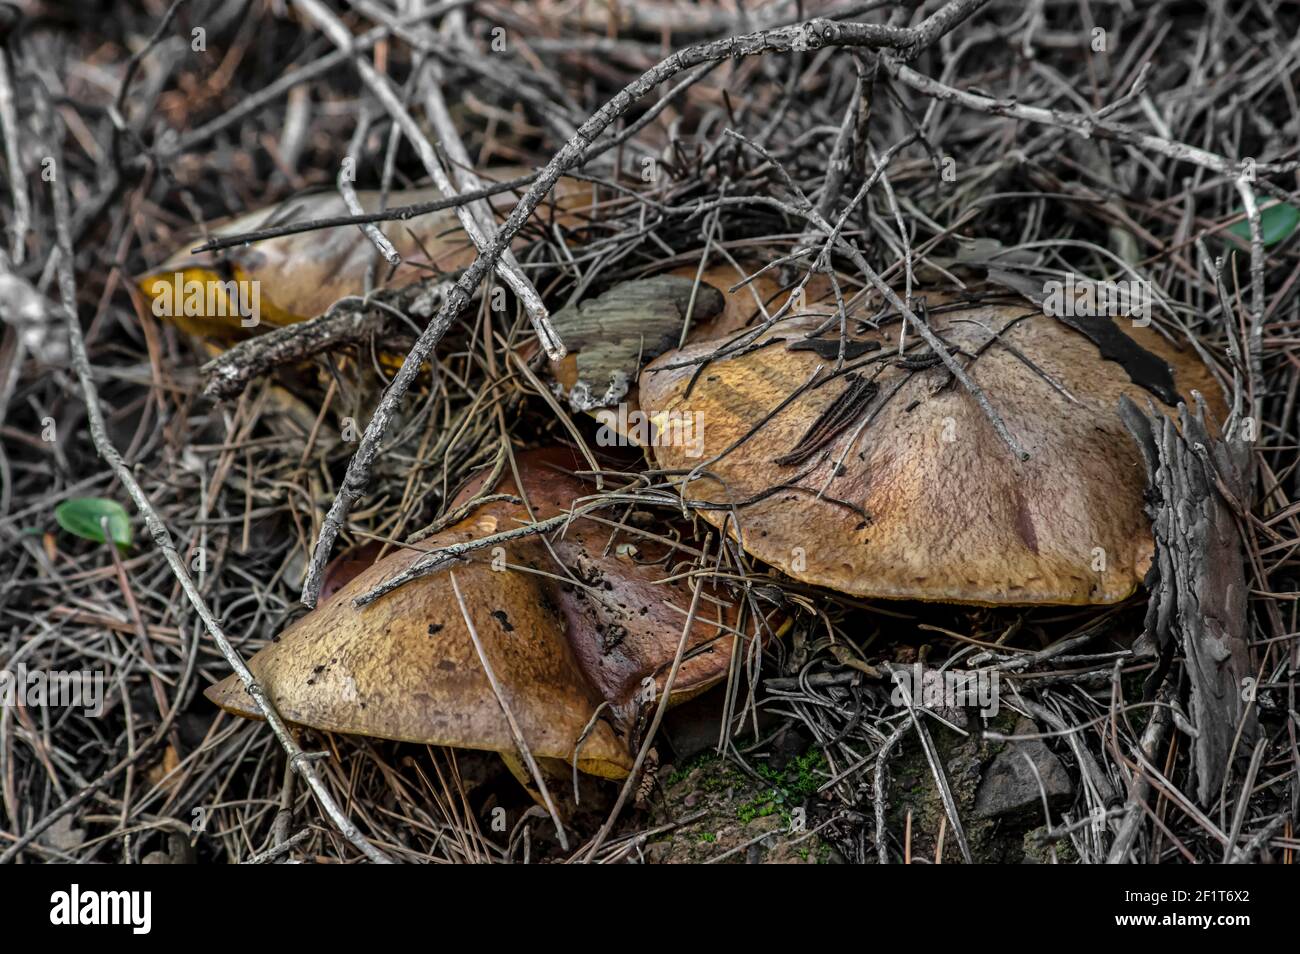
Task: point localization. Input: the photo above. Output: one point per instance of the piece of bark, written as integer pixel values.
(1197, 579)
(610, 337)
(347, 322)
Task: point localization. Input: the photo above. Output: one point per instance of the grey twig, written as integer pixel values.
(22, 219)
(158, 530)
(349, 194)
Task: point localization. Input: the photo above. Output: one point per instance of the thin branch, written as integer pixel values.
(22, 219)
(158, 530)
(1084, 125)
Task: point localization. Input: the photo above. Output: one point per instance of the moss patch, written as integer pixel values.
(745, 819)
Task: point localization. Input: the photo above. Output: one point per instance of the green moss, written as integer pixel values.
(1039, 853)
(680, 774)
(790, 787)
(734, 806)
(810, 772)
(758, 807)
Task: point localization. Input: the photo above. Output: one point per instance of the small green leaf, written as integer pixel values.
(1275, 223)
(82, 515)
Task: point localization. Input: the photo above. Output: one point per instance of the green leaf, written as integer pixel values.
(1275, 223)
(82, 515)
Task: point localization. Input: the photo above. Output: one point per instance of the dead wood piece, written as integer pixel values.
(1197, 579)
(347, 322)
(612, 335)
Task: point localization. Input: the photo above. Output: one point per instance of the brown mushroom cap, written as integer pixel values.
(404, 667)
(345, 567)
(301, 275)
(930, 503)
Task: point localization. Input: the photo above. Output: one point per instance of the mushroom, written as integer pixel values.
(886, 478)
(345, 567)
(300, 276)
(578, 639)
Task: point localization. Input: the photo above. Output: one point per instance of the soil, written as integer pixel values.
(739, 819)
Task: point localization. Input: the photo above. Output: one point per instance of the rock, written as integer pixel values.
(179, 852)
(61, 836)
(787, 745)
(1009, 785)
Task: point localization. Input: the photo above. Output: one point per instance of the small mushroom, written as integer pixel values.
(568, 630)
(887, 479)
(295, 277)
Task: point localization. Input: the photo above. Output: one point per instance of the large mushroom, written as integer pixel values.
(886, 478)
(577, 638)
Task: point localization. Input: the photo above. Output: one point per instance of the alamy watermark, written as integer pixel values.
(76, 906)
(188, 297)
(946, 689)
(38, 688)
(1085, 298)
(623, 428)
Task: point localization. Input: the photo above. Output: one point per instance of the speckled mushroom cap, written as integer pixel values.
(404, 667)
(888, 480)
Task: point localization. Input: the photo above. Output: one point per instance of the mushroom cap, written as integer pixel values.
(300, 276)
(929, 503)
(344, 568)
(404, 667)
